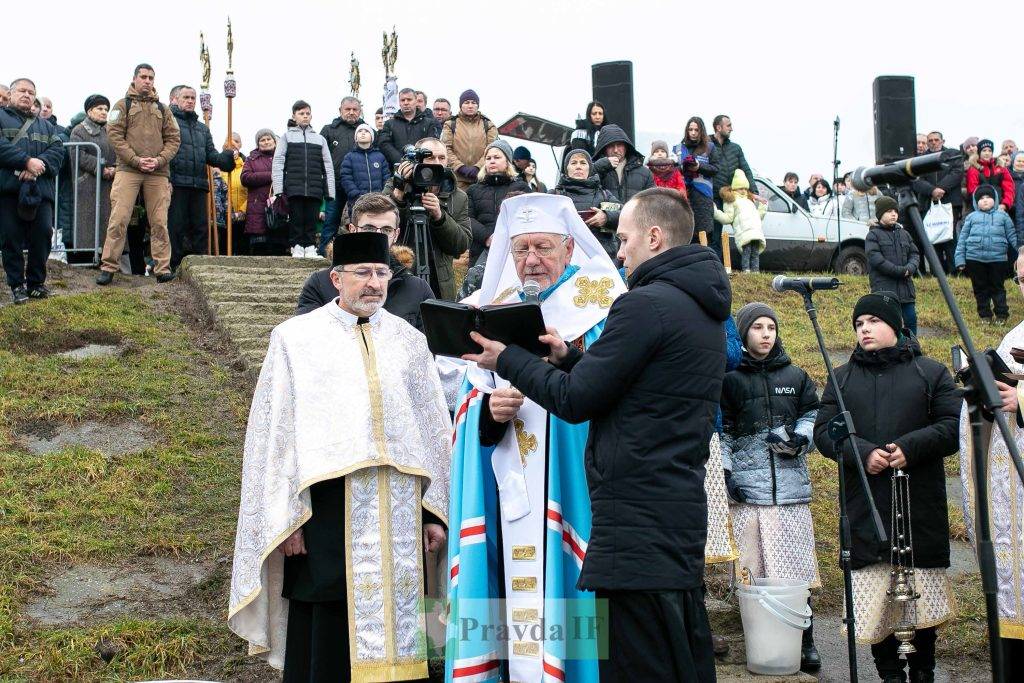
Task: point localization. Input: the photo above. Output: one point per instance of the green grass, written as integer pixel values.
(966, 636)
(178, 497)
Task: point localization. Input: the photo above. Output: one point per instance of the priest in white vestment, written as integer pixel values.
(344, 485)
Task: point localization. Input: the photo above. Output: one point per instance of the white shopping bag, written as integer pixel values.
(938, 222)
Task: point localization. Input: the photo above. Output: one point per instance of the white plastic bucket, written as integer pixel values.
(775, 614)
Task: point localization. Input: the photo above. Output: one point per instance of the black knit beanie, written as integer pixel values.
(883, 305)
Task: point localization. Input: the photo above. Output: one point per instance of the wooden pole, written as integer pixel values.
(211, 207)
(230, 145)
(726, 253)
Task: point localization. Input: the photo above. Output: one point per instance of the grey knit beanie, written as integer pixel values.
(264, 131)
(746, 316)
(505, 148)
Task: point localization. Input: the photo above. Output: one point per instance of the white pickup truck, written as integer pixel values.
(798, 241)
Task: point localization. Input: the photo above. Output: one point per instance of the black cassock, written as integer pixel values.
(315, 584)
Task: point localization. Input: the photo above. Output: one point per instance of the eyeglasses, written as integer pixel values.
(368, 273)
(545, 251)
(385, 230)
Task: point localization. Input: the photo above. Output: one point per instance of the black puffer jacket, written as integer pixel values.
(891, 253)
(398, 132)
(650, 388)
(197, 151)
(896, 395)
(727, 157)
(635, 177)
(949, 179)
(485, 199)
(757, 397)
(405, 293)
(44, 141)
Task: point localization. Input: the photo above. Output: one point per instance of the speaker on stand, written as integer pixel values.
(613, 87)
(895, 118)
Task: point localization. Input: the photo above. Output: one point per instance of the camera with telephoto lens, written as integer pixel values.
(426, 177)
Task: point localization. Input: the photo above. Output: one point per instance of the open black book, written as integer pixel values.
(447, 326)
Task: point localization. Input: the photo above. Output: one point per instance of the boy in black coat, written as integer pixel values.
(906, 411)
(893, 259)
(650, 387)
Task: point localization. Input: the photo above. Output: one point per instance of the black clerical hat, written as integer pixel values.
(360, 247)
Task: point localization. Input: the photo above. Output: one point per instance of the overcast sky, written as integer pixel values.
(782, 71)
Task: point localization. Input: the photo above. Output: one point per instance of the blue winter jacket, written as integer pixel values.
(986, 236)
(363, 171)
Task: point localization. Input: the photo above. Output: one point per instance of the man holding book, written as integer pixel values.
(517, 470)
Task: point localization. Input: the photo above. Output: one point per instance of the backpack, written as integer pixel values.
(128, 99)
(487, 125)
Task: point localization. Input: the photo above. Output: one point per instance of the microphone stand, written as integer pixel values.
(835, 179)
(980, 392)
(841, 428)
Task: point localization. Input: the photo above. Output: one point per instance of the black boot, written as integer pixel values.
(810, 661)
(922, 676)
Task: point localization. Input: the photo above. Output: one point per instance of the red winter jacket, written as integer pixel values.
(992, 174)
(666, 175)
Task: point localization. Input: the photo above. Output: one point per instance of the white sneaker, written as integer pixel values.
(311, 253)
(297, 251)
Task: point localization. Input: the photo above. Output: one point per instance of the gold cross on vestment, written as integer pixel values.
(527, 441)
(593, 292)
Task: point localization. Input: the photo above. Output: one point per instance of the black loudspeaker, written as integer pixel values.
(895, 118)
(613, 87)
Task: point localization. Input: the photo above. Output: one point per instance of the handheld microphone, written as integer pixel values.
(781, 283)
(902, 172)
(531, 292)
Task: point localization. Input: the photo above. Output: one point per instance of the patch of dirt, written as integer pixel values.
(54, 340)
(184, 301)
(152, 587)
(41, 437)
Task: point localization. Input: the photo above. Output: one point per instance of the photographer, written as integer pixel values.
(447, 214)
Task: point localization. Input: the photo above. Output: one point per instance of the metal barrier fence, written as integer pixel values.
(74, 152)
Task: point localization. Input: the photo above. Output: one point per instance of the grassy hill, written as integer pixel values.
(176, 497)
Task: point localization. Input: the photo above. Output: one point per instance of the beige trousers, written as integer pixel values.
(156, 192)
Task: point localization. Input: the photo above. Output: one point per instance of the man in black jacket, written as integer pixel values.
(31, 155)
(620, 167)
(649, 386)
(187, 215)
(943, 186)
(727, 157)
(407, 126)
(373, 212)
(341, 137)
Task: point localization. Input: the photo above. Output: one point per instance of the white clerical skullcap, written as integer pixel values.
(536, 212)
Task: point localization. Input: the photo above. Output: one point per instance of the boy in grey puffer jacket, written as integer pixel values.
(768, 410)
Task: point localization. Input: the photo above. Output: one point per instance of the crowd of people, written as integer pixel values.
(660, 434)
